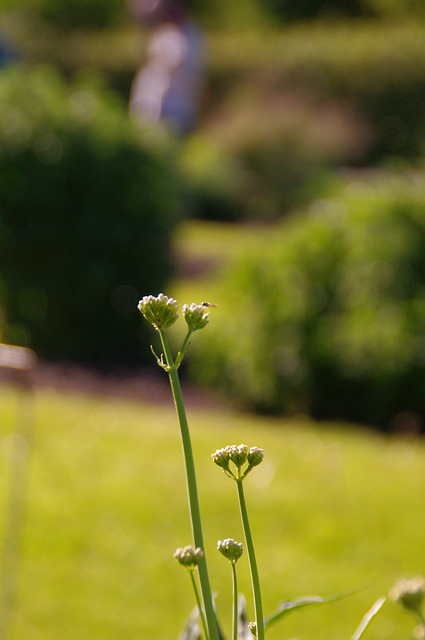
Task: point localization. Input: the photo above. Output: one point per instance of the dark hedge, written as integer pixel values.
(87, 208)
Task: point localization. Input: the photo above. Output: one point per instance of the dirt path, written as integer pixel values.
(143, 385)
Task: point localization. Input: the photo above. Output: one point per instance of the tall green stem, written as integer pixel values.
(195, 513)
(255, 581)
(235, 602)
(199, 604)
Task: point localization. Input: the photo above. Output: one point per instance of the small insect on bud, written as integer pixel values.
(196, 316)
(230, 549)
(255, 456)
(409, 593)
(188, 556)
(160, 311)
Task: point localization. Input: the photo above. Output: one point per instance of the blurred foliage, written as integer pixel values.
(261, 180)
(378, 82)
(289, 10)
(282, 108)
(380, 77)
(83, 14)
(80, 14)
(95, 13)
(280, 151)
(87, 208)
(308, 9)
(329, 317)
(214, 177)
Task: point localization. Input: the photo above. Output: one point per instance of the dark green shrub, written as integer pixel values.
(329, 318)
(288, 10)
(308, 9)
(87, 208)
(79, 14)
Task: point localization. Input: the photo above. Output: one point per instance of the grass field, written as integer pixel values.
(333, 509)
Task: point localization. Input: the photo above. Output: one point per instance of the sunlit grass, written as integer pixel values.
(332, 510)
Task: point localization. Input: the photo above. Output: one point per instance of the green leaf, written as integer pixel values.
(368, 618)
(302, 601)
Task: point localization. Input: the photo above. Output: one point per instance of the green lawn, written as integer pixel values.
(333, 510)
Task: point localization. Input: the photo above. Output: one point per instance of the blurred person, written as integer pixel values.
(168, 86)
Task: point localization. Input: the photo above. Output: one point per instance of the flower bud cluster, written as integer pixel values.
(161, 311)
(409, 593)
(196, 316)
(188, 556)
(230, 549)
(243, 459)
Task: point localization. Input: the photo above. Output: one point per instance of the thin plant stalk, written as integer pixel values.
(255, 581)
(368, 618)
(235, 618)
(195, 514)
(199, 604)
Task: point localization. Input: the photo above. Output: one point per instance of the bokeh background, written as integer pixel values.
(297, 205)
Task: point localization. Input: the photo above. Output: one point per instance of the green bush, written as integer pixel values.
(329, 318)
(87, 208)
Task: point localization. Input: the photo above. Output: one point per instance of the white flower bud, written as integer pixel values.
(230, 549)
(255, 456)
(253, 628)
(221, 458)
(188, 556)
(409, 593)
(160, 311)
(196, 316)
(241, 456)
(238, 454)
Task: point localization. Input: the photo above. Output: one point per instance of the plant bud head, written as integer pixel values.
(221, 458)
(253, 628)
(255, 456)
(188, 556)
(230, 549)
(238, 454)
(196, 316)
(160, 311)
(409, 593)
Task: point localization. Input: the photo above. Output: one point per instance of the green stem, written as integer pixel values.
(255, 581)
(199, 605)
(235, 602)
(183, 349)
(195, 513)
